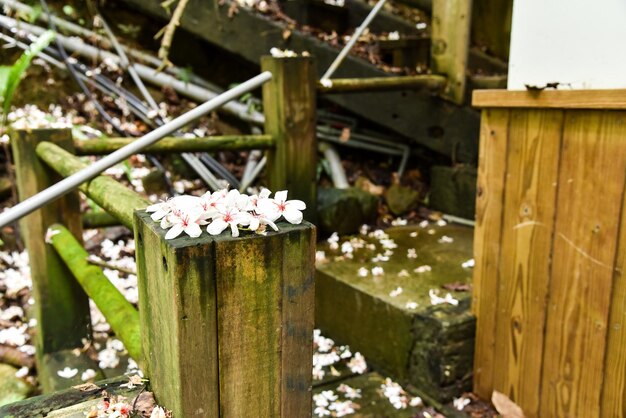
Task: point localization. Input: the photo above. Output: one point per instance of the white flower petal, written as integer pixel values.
(175, 231)
(281, 195)
(217, 226)
(296, 204)
(293, 216)
(193, 230)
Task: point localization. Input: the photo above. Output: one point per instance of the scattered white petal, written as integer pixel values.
(423, 269)
(396, 292)
(67, 373)
(468, 264)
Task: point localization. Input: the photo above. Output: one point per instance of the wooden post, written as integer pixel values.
(227, 322)
(289, 104)
(451, 21)
(61, 305)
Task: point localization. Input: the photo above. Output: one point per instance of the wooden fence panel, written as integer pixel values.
(585, 241)
(489, 206)
(549, 291)
(530, 197)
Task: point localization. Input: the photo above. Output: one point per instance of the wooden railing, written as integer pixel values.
(223, 323)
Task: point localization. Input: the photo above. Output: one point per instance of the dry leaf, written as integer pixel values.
(144, 404)
(457, 287)
(85, 387)
(345, 135)
(506, 407)
(286, 34)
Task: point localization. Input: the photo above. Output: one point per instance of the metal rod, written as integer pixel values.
(130, 67)
(355, 37)
(66, 185)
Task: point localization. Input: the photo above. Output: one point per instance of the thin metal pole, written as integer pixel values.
(70, 183)
(355, 37)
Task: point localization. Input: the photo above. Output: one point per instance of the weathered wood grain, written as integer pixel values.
(591, 183)
(289, 104)
(527, 227)
(62, 307)
(451, 21)
(494, 139)
(298, 305)
(169, 145)
(177, 310)
(229, 305)
(248, 276)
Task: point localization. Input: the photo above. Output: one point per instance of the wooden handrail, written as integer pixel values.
(103, 146)
(358, 85)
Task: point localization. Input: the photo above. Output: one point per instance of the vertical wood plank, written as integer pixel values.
(529, 206)
(491, 26)
(61, 305)
(177, 311)
(451, 21)
(289, 103)
(298, 304)
(487, 233)
(591, 182)
(614, 385)
(249, 325)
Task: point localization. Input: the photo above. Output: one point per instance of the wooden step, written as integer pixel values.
(414, 115)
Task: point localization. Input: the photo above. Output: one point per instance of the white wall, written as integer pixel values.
(581, 42)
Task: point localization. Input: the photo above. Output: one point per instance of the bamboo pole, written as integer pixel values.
(113, 197)
(99, 220)
(357, 85)
(119, 313)
(168, 145)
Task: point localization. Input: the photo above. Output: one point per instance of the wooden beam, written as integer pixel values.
(119, 313)
(433, 83)
(289, 102)
(62, 307)
(116, 199)
(451, 21)
(169, 145)
(551, 99)
(242, 308)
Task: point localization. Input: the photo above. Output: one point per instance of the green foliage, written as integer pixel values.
(10, 76)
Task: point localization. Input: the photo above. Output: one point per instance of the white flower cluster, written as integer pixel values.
(225, 209)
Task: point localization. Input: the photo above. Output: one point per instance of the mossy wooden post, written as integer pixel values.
(289, 104)
(61, 305)
(226, 322)
(451, 21)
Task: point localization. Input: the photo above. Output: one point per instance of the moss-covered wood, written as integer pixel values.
(289, 103)
(110, 195)
(169, 145)
(41, 406)
(62, 307)
(227, 322)
(451, 21)
(430, 347)
(120, 314)
(99, 220)
(433, 83)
